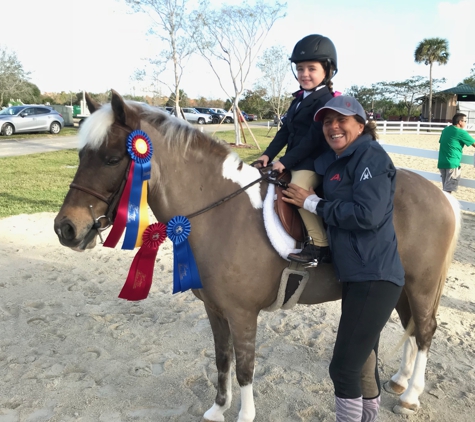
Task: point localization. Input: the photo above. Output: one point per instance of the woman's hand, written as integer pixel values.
(278, 166)
(296, 195)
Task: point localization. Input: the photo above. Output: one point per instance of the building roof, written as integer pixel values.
(460, 89)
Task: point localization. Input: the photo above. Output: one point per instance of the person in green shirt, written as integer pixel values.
(452, 140)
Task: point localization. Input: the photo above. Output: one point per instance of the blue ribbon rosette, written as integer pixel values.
(185, 271)
(140, 150)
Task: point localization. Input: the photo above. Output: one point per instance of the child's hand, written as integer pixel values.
(278, 166)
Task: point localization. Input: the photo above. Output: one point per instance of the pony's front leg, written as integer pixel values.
(224, 355)
(243, 328)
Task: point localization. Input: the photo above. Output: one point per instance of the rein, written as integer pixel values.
(270, 177)
(113, 200)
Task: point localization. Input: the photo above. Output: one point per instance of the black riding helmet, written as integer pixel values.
(315, 48)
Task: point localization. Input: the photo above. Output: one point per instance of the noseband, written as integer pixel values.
(111, 201)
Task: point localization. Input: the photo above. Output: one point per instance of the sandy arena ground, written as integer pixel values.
(70, 350)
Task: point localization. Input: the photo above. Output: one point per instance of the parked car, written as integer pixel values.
(229, 116)
(282, 119)
(252, 117)
(194, 116)
(215, 117)
(244, 116)
(30, 118)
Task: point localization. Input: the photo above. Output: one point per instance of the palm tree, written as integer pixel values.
(429, 51)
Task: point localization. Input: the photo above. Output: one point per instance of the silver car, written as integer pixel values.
(30, 118)
(194, 116)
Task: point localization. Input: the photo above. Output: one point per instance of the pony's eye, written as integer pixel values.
(112, 161)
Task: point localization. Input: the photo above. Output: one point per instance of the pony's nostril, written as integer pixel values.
(67, 231)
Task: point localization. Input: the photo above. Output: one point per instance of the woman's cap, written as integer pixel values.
(343, 104)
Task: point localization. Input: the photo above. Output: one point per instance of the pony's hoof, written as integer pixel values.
(405, 408)
(393, 388)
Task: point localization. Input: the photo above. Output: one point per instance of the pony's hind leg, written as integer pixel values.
(409, 400)
(410, 379)
(400, 381)
(224, 355)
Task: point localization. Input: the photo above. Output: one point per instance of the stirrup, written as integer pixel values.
(311, 264)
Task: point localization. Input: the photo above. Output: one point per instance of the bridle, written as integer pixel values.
(113, 201)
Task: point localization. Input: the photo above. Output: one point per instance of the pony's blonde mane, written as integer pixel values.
(175, 132)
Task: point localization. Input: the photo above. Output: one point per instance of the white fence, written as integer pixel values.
(415, 128)
(415, 152)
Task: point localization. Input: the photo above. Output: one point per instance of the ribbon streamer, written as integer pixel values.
(185, 271)
(139, 280)
(132, 214)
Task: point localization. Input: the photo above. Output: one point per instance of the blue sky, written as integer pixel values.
(95, 45)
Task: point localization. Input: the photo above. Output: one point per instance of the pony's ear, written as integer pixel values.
(92, 104)
(122, 112)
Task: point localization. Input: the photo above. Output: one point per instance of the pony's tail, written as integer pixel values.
(450, 253)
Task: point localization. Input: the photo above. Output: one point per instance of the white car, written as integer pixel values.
(194, 116)
(229, 116)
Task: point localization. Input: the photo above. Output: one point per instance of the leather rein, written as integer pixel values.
(113, 201)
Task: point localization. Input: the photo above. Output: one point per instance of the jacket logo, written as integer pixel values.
(336, 177)
(366, 174)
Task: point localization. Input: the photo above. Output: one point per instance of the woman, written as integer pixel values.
(316, 63)
(359, 183)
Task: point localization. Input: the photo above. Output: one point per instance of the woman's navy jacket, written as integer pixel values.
(358, 209)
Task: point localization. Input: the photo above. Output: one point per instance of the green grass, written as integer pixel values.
(249, 152)
(35, 183)
(39, 182)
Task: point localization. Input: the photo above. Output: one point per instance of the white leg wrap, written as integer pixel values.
(417, 381)
(248, 410)
(408, 359)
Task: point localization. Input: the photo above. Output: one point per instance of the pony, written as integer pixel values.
(239, 269)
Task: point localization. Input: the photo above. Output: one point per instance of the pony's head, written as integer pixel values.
(185, 162)
(91, 202)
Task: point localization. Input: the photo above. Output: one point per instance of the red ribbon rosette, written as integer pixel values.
(139, 279)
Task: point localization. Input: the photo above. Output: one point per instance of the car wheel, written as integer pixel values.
(215, 121)
(55, 128)
(201, 121)
(7, 129)
(228, 120)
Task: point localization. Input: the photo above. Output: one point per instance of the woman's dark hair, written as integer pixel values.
(369, 127)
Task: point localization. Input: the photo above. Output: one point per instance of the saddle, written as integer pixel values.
(288, 213)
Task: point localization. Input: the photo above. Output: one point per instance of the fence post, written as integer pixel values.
(384, 127)
(418, 127)
(401, 127)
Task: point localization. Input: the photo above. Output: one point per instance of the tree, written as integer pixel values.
(170, 26)
(274, 66)
(31, 94)
(411, 92)
(234, 35)
(183, 99)
(13, 78)
(430, 51)
(471, 79)
(368, 97)
(255, 102)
